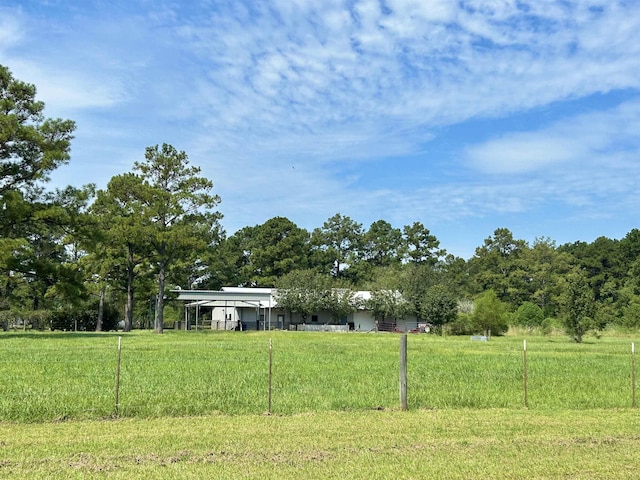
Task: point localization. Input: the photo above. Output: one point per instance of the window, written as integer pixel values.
(314, 318)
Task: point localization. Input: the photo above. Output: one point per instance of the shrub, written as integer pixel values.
(490, 314)
(462, 325)
(84, 318)
(547, 325)
(529, 315)
(631, 316)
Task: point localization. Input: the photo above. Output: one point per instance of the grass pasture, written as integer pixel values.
(49, 376)
(192, 405)
(419, 444)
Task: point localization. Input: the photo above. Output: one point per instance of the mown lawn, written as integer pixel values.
(439, 444)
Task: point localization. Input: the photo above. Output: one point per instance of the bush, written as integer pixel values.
(631, 316)
(547, 325)
(490, 314)
(84, 318)
(36, 319)
(462, 325)
(5, 317)
(529, 315)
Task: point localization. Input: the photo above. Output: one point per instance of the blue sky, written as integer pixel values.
(464, 115)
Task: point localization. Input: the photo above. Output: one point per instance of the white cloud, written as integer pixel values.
(251, 90)
(585, 141)
(11, 29)
(523, 153)
(407, 66)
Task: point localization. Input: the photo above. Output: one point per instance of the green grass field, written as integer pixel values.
(449, 444)
(193, 405)
(72, 375)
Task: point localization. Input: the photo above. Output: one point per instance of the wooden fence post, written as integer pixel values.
(526, 401)
(118, 377)
(270, 373)
(403, 372)
(633, 375)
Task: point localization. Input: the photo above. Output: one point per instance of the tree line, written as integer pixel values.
(87, 257)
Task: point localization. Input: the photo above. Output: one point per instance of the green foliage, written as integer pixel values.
(490, 314)
(544, 267)
(340, 302)
(388, 305)
(579, 307)
(38, 230)
(462, 325)
(121, 248)
(548, 324)
(302, 291)
(83, 318)
(496, 266)
(415, 281)
(259, 256)
(438, 307)
(23, 319)
(631, 315)
(420, 245)
(382, 245)
(157, 220)
(31, 146)
(158, 224)
(79, 317)
(386, 301)
(337, 244)
(529, 315)
(308, 292)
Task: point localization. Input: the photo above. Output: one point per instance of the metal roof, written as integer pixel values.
(245, 295)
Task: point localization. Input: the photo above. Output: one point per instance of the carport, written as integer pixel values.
(234, 299)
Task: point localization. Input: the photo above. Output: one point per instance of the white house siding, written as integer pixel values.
(222, 313)
(363, 321)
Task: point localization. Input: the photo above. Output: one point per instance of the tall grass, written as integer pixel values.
(72, 375)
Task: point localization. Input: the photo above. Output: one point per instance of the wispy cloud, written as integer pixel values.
(10, 30)
(285, 72)
(579, 142)
(293, 107)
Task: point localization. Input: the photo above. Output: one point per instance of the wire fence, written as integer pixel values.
(123, 376)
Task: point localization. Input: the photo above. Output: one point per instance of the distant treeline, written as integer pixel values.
(86, 258)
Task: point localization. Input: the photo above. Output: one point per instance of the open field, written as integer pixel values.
(192, 406)
(50, 376)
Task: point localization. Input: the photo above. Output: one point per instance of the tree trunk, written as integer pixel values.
(128, 312)
(160, 299)
(101, 309)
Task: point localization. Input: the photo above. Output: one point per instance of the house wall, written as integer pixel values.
(218, 314)
(228, 318)
(224, 318)
(247, 315)
(363, 321)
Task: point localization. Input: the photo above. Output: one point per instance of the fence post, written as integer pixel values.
(633, 375)
(403, 372)
(118, 377)
(526, 402)
(270, 374)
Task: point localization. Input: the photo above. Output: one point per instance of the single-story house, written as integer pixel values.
(235, 308)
